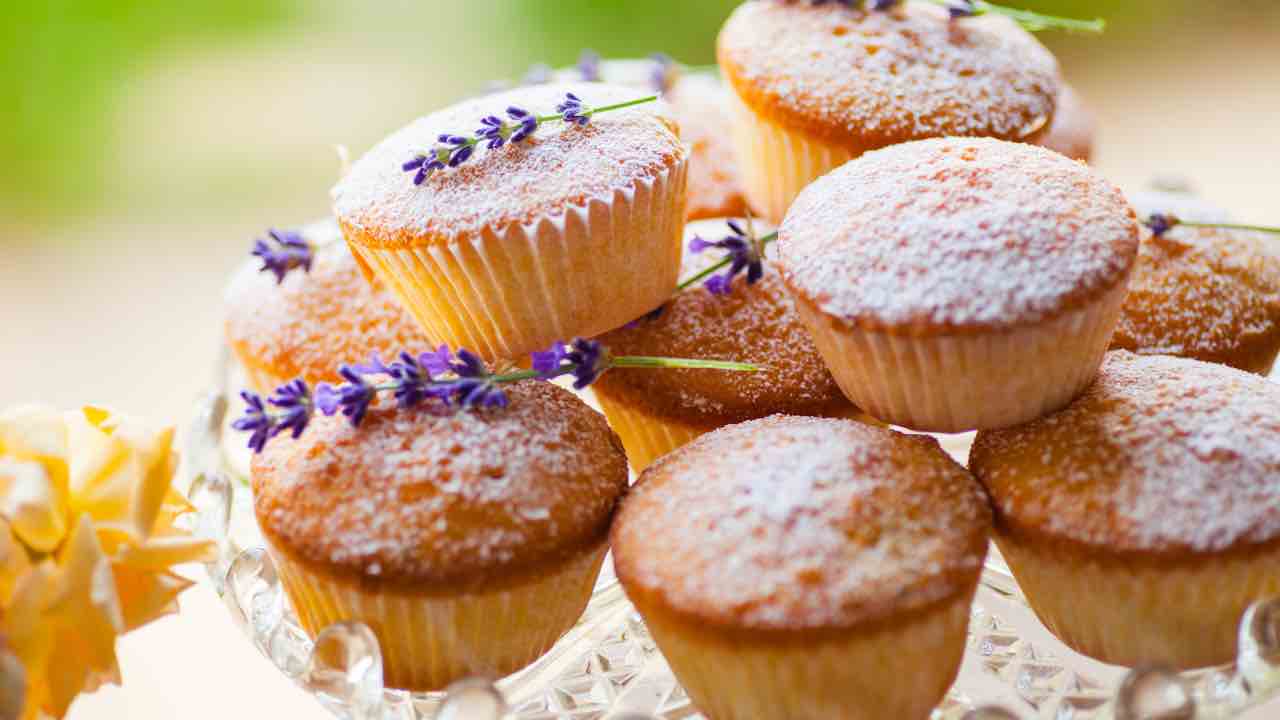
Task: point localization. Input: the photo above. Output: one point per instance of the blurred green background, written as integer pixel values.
(146, 142)
(149, 108)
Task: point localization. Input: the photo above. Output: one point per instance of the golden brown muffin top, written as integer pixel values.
(951, 235)
(1203, 293)
(754, 323)
(561, 166)
(441, 500)
(1073, 128)
(866, 79)
(313, 322)
(801, 524)
(715, 189)
(1160, 457)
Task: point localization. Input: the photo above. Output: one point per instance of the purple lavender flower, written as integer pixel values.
(352, 398)
(547, 363)
(472, 385)
(584, 359)
(291, 251)
(958, 9)
(885, 5)
(526, 123)
(662, 76)
(494, 130)
(573, 110)
(437, 362)
(424, 164)
(410, 379)
(744, 252)
(589, 66)
(1161, 223)
(293, 399)
(458, 149)
(256, 420)
(452, 151)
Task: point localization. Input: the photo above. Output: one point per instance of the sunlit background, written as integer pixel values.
(144, 143)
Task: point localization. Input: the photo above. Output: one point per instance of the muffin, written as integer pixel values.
(1142, 520)
(700, 103)
(313, 322)
(469, 542)
(1073, 128)
(570, 233)
(656, 412)
(960, 284)
(806, 568)
(701, 106)
(814, 86)
(1202, 293)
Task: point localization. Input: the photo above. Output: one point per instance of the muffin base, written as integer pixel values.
(1178, 615)
(969, 381)
(647, 437)
(776, 163)
(431, 640)
(503, 294)
(901, 670)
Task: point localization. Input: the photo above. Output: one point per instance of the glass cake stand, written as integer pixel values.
(607, 667)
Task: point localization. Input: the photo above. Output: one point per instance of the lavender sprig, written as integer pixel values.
(1032, 21)
(960, 9)
(744, 250)
(494, 132)
(587, 360)
(1161, 223)
(457, 381)
(290, 251)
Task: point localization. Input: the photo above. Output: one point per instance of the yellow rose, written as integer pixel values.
(87, 540)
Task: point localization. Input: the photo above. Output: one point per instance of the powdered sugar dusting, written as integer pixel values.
(877, 78)
(1205, 293)
(802, 523)
(560, 166)
(1159, 455)
(445, 497)
(755, 323)
(957, 233)
(316, 321)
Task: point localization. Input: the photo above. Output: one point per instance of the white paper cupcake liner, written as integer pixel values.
(504, 294)
(430, 640)
(973, 381)
(901, 671)
(776, 163)
(1180, 615)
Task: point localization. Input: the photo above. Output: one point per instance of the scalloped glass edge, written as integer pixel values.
(607, 666)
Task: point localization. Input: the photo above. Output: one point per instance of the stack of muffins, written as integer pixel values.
(943, 262)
